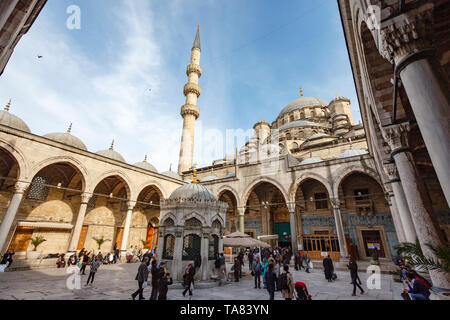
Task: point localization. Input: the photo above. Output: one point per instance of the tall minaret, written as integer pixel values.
(189, 111)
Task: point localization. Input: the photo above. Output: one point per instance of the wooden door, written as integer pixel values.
(119, 235)
(150, 233)
(373, 243)
(82, 239)
(21, 239)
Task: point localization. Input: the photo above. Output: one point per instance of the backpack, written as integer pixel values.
(217, 263)
(284, 282)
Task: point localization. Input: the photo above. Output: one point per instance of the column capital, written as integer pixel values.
(241, 211)
(391, 171)
(396, 135)
(131, 205)
(21, 187)
(406, 33)
(335, 203)
(85, 197)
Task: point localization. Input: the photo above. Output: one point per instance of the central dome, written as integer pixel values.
(193, 191)
(303, 102)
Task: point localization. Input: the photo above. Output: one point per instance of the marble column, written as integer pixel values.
(300, 227)
(204, 253)
(396, 218)
(126, 228)
(8, 219)
(424, 81)
(241, 219)
(426, 226)
(400, 201)
(292, 222)
(79, 223)
(160, 249)
(178, 256)
(339, 228)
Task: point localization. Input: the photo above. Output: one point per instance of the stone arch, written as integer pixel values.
(131, 195)
(353, 169)
(166, 219)
(18, 156)
(195, 215)
(153, 183)
(224, 188)
(259, 180)
(74, 163)
(302, 178)
(219, 219)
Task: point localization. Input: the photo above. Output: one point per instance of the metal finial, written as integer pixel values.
(8, 105)
(145, 158)
(170, 168)
(112, 145)
(301, 92)
(194, 174)
(70, 128)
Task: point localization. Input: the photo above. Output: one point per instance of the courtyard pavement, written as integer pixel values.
(116, 282)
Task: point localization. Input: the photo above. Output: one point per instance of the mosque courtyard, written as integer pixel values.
(116, 282)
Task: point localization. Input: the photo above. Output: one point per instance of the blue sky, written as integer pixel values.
(255, 55)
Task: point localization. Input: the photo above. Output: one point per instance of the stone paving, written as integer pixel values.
(116, 282)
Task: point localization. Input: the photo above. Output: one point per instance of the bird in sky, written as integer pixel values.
(39, 57)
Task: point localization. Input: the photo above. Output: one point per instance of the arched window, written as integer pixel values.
(302, 115)
(216, 224)
(193, 223)
(169, 246)
(295, 145)
(213, 246)
(291, 118)
(169, 222)
(38, 190)
(191, 246)
(313, 114)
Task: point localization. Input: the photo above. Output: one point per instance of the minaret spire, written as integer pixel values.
(190, 111)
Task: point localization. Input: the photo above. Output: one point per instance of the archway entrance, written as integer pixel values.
(232, 223)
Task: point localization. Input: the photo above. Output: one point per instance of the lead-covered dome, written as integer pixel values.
(146, 166)
(10, 120)
(110, 153)
(66, 138)
(303, 102)
(193, 191)
(352, 153)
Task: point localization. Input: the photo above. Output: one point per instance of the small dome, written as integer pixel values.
(110, 153)
(352, 153)
(66, 138)
(193, 191)
(310, 160)
(145, 165)
(10, 120)
(172, 174)
(303, 102)
(299, 123)
(209, 178)
(231, 175)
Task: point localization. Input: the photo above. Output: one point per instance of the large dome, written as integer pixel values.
(303, 102)
(66, 138)
(10, 120)
(192, 191)
(110, 153)
(299, 123)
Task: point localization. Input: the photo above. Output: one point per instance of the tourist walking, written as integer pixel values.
(61, 262)
(84, 262)
(328, 268)
(164, 283)
(155, 279)
(222, 267)
(257, 269)
(94, 267)
(276, 269)
(250, 260)
(287, 284)
(353, 267)
(265, 265)
(141, 277)
(188, 279)
(241, 262)
(307, 261)
(270, 279)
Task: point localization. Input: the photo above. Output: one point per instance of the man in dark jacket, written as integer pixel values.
(353, 267)
(236, 269)
(164, 283)
(155, 279)
(328, 268)
(271, 278)
(257, 270)
(141, 277)
(197, 261)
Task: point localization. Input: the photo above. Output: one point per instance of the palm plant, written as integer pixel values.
(413, 253)
(36, 241)
(100, 241)
(145, 243)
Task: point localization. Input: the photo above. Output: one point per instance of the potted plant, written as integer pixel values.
(99, 241)
(146, 246)
(36, 241)
(375, 259)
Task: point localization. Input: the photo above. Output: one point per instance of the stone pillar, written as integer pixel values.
(126, 228)
(402, 205)
(293, 223)
(79, 223)
(178, 256)
(300, 227)
(339, 228)
(425, 223)
(160, 248)
(396, 218)
(8, 219)
(424, 81)
(204, 253)
(241, 219)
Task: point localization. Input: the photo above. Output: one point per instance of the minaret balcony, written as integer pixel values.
(192, 88)
(190, 109)
(194, 68)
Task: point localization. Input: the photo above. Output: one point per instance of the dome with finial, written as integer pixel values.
(145, 165)
(66, 138)
(10, 120)
(111, 153)
(172, 174)
(193, 191)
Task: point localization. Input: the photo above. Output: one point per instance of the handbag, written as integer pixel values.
(311, 265)
(144, 285)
